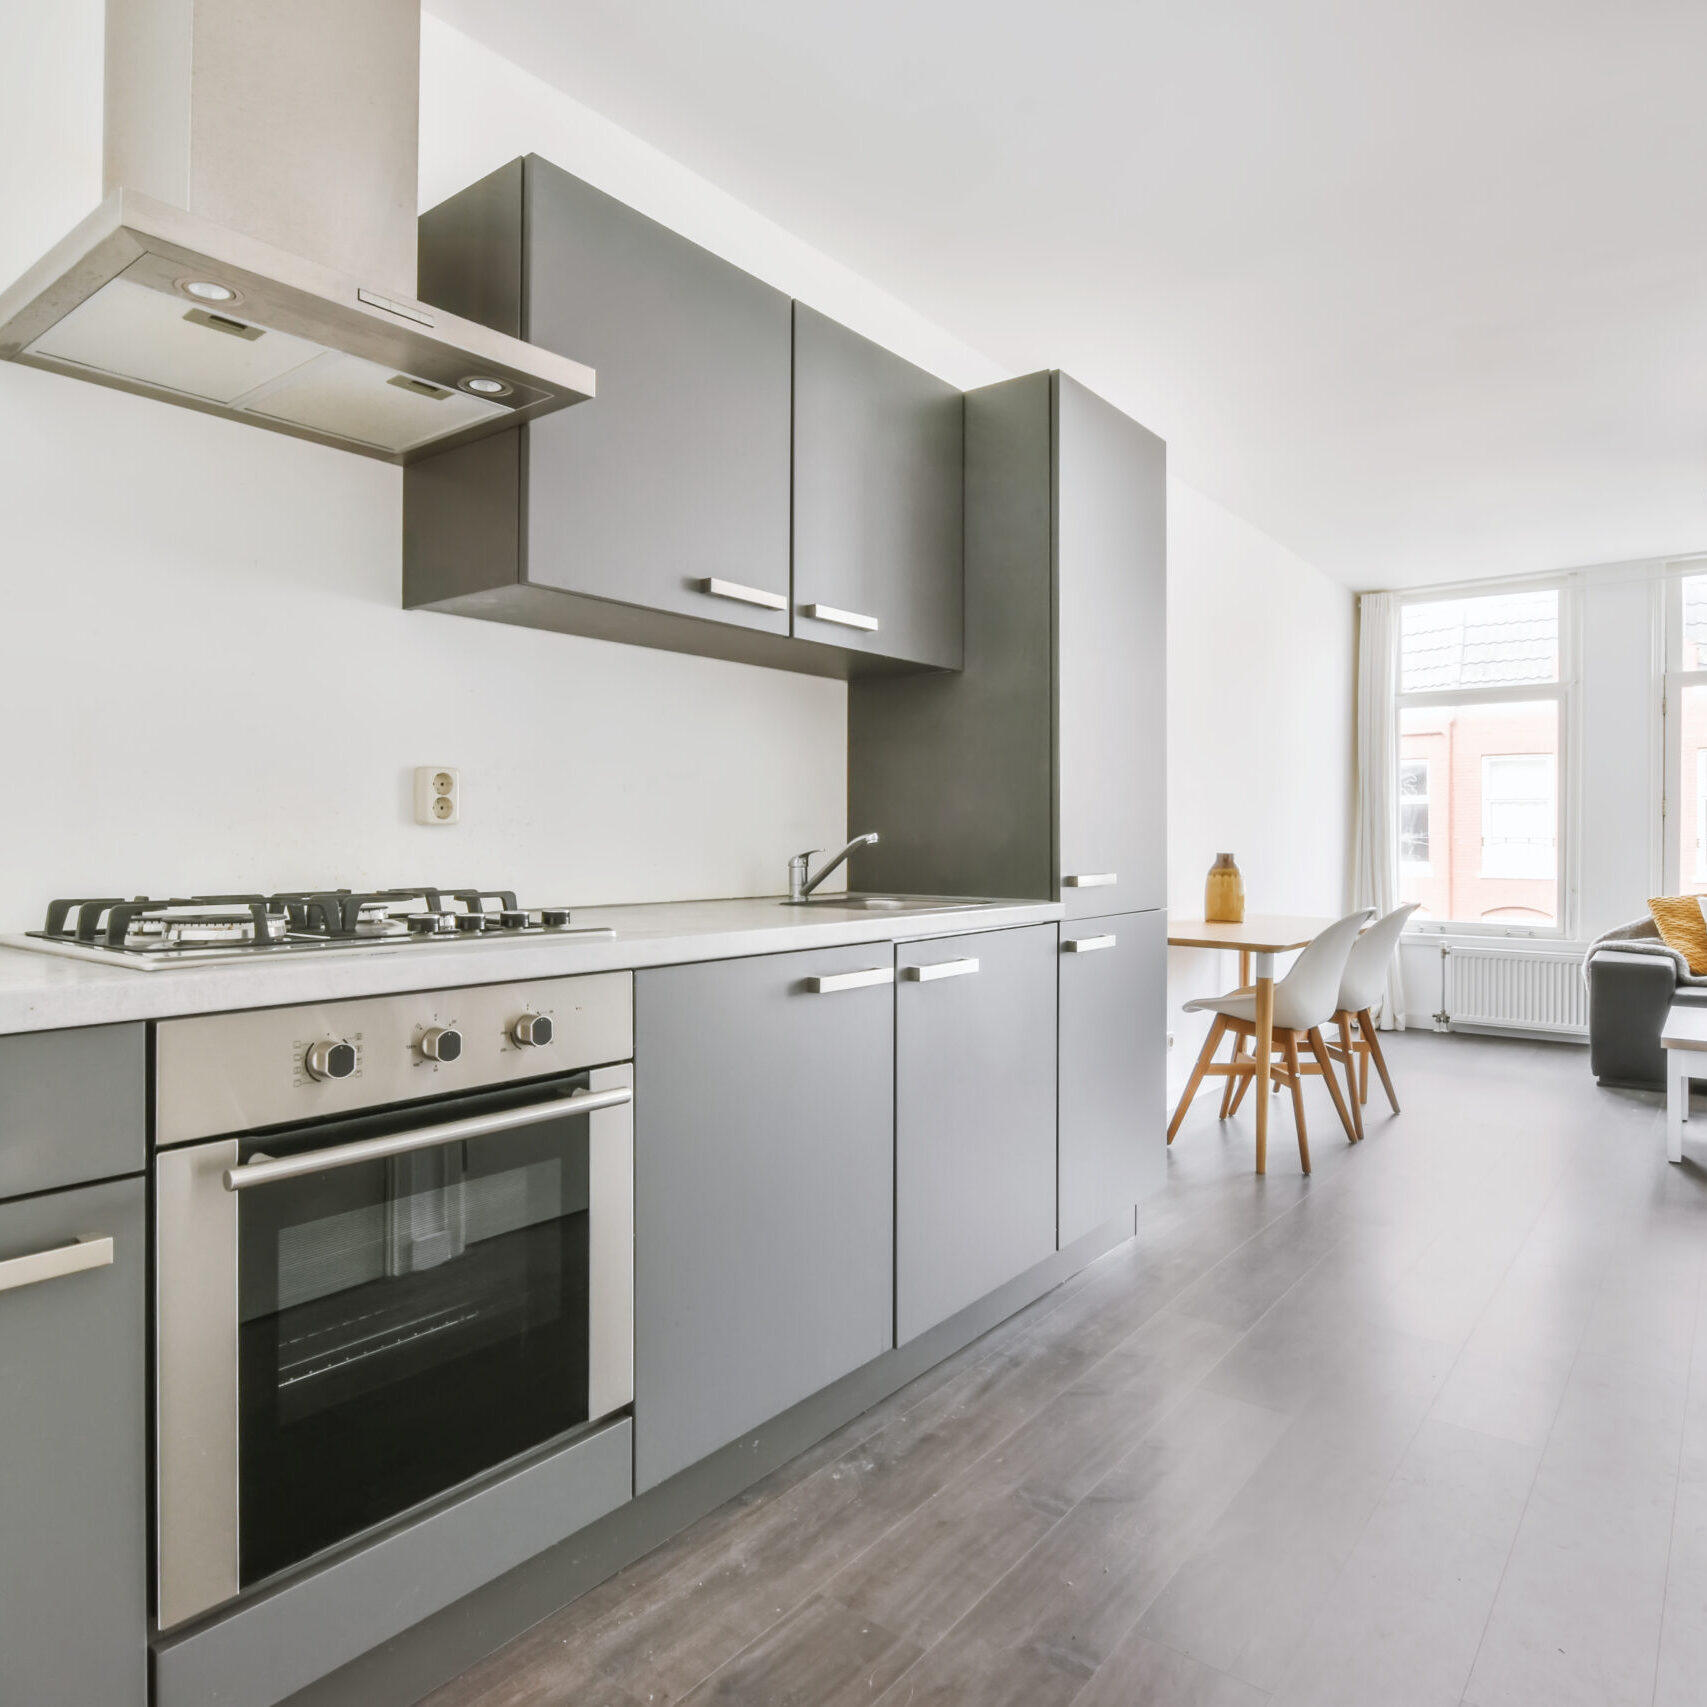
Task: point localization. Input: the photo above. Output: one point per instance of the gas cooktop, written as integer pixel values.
(148, 933)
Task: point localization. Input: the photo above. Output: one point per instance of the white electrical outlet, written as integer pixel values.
(438, 794)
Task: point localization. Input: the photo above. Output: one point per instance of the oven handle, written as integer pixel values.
(423, 1138)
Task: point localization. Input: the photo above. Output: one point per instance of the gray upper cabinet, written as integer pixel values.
(666, 496)
(1113, 1068)
(764, 1191)
(1039, 770)
(666, 509)
(877, 498)
(73, 1426)
(974, 1118)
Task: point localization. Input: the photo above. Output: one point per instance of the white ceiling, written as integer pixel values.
(1420, 289)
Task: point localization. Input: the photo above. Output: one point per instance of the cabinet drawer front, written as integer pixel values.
(73, 1107)
(73, 1421)
(764, 1191)
(974, 1118)
(1113, 1064)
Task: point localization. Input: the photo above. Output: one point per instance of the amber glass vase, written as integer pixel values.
(1224, 893)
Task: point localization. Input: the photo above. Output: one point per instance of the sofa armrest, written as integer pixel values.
(1628, 997)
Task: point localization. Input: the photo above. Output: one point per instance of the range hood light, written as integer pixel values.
(482, 386)
(205, 290)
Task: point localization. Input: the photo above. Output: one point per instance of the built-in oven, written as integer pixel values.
(421, 1274)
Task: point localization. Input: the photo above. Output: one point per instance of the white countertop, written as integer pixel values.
(47, 992)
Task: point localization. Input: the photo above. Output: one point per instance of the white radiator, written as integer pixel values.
(1517, 989)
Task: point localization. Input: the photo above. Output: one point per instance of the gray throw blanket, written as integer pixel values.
(1642, 936)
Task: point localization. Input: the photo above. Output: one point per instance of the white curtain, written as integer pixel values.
(1375, 872)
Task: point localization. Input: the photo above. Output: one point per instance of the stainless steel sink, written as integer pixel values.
(889, 903)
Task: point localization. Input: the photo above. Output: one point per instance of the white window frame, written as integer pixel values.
(1418, 867)
(1563, 692)
(1676, 679)
(1701, 814)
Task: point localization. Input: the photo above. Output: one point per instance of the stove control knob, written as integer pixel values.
(331, 1059)
(531, 1031)
(441, 1043)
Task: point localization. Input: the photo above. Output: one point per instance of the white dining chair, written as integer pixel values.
(1303, 1004)
(1360, 989)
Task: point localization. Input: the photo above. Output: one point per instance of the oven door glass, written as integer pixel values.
(407, 1323)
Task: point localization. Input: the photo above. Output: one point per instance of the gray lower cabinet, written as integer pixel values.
(764, 1191)
(974, 1118)
(877, 498)
(1113, 1066)
(73, 1423)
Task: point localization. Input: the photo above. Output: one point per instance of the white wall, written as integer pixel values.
(205, 676)
(1260, 702)
(207, 681)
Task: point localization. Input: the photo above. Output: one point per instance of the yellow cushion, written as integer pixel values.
(1682, 926)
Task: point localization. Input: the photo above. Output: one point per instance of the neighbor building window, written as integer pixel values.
(1413, 813)
(1479, 807)
(1520, 815)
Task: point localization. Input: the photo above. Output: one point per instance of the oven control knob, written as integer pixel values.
(531, 1031)
(331, 1059)
(441, 1043)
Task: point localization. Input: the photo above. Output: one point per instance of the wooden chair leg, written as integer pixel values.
(1244, 1085)
(1290, 1045)
(1362, 1067)
(1343, 1020)
(1368, 1028)
(1325, 1061)
(1216, 1031)
(1231, 1086)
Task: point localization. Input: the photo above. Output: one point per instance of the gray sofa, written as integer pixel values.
(1633, 978)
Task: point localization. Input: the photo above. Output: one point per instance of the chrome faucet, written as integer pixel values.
(800, 884)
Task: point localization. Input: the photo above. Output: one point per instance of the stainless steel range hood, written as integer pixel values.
(255, 254)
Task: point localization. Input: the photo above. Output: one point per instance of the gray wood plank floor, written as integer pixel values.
(1428, 1428)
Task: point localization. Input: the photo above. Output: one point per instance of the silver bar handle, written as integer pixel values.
(1087, 944)
(828, 983)
(719, 589)
(844, 618)
(423, 1138)
(32, 1270)
(1091, 880)
(941, 969)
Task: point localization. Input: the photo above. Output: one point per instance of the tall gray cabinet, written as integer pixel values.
(1039, 771)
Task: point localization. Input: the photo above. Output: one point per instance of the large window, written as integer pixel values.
(1482, 685)
(1686, 737)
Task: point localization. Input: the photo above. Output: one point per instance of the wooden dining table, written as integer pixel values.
(1257, 939)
